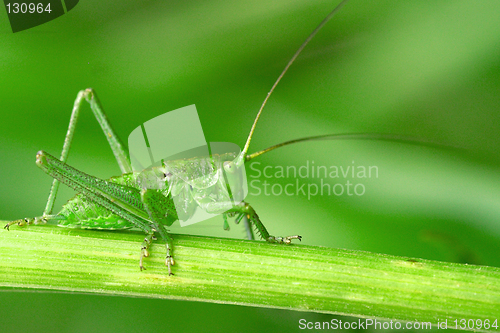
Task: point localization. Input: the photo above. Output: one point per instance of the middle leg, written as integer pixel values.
(160, 213)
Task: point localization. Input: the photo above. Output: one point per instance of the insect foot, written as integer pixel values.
(244, 209)
(169, 261)
(26, 221)
(145, 247)
(144, 253)
(283, 240)
(20, 222)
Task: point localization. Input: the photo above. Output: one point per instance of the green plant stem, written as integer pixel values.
(296, 277)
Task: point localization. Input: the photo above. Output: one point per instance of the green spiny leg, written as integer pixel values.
(116, 198)
(119, 199)
(114, 141)
(249, 212)
(161, 211)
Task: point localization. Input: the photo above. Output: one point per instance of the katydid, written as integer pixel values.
(123, 202)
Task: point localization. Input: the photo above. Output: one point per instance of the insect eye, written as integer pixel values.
(229, 167)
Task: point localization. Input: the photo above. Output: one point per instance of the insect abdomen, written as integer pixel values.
(80, 212)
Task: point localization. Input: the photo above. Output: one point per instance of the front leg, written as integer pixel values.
(247, 210)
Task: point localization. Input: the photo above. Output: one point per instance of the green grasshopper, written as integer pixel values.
(124, 202)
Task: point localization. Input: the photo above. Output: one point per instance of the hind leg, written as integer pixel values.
(114, 142)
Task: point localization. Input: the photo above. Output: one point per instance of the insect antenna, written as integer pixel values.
(359, 136)
(241, 158)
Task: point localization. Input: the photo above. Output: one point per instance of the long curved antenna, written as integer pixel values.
(358, 136)
(247, 144)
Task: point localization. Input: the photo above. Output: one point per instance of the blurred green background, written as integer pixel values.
(425, 69)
